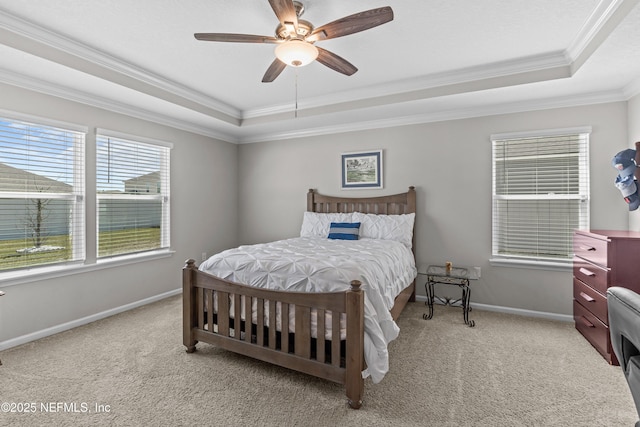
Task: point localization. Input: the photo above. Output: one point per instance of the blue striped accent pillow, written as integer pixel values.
(344, 230)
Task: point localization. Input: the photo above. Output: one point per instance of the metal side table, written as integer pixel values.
(459, 276)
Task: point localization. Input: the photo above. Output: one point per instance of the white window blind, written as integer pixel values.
(41, 194)
(540, 194)
(132, 192)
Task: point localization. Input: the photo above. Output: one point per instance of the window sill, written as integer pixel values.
(45, 273)
(532, 264)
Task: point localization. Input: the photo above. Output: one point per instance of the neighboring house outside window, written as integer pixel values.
(41, 194)
(132, 195)
(540, 195)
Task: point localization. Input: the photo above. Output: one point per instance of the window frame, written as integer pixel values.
(583, 196)
(77, 225)
(164, 196)
(86, 228)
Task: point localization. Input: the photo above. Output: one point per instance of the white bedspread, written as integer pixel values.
(315, 264)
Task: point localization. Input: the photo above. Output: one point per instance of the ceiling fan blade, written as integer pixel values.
(352, 24)
(335, 62)
(235, 38)
(285, 11)
(273, 71)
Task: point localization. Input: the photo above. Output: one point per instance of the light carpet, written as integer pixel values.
(132, 370)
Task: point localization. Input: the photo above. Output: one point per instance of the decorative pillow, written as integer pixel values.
(316, 224)
(386, 227)
(344, 230)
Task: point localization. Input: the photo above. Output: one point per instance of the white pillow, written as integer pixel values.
(318, 224)
(386, 227)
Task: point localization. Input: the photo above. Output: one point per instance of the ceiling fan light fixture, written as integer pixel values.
(296, 53)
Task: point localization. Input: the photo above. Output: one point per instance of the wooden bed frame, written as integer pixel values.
(341, 361)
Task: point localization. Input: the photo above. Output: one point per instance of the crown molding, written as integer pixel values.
(445, 115)
(531, 64)
(69, 46)
(544, 67)
(604, 19)
(48, 88)
(483, 81)
(74, 95)
(600, 23)
(632, 89)
(592, 26)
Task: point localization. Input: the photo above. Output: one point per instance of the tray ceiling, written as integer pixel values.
(436, 60)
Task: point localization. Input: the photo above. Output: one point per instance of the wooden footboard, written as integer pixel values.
(304, 350)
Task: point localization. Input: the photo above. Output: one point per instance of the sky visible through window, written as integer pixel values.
(49, 151)
(119, 161)
(42, 150)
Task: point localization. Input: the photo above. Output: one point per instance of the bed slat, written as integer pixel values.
(237, 317)
(200, 298)
(320, 340)
(223, 314)
(272, 324)
(247, 317)
(209, 296)
(260, 322)
(303, 332)
(335, 339)
(285, 327)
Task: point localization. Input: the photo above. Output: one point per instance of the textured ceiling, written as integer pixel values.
(436, 60)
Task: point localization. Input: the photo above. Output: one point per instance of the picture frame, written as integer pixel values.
(362, 169)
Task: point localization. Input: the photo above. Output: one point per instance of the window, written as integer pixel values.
(132, 193)
(540, 195)
(41, 194)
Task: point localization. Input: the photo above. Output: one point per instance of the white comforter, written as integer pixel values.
(315, 264)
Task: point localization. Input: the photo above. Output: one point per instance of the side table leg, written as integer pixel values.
(430, 293)
(466, 300)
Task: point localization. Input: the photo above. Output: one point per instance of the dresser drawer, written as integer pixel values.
(592, 249)
(596, 332)
(591, 299)
(592, 275)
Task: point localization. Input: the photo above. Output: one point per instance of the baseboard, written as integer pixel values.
(83, 321)
(518, 311)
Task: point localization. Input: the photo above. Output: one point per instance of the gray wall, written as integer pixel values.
(223, 195)
(203, 216)
(450, 165)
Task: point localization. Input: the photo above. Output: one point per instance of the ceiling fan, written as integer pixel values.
(296, 37)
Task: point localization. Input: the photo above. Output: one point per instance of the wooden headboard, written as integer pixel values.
(395, 204)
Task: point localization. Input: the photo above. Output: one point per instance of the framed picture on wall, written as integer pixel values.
(362, 170)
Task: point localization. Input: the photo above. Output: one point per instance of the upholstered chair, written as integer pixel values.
(624, 327)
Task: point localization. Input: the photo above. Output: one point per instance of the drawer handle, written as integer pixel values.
(587, 272)
(586, 297)
(588, 248)
(587, 323)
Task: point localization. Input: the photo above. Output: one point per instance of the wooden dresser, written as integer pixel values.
(603, 258)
